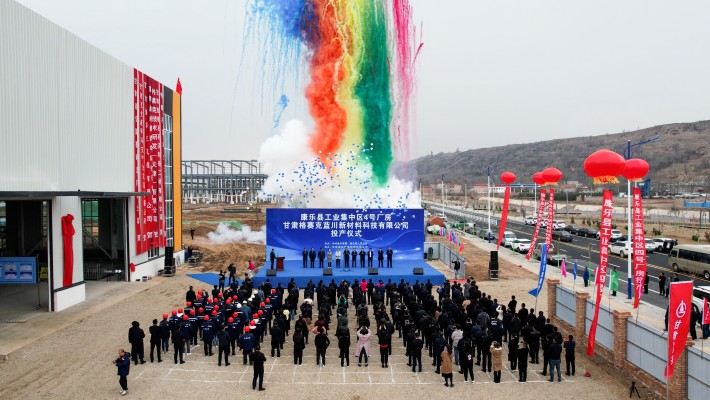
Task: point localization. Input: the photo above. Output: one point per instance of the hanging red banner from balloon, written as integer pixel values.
(536, 232)
(550, 219)
(639, 250)
(503, 216)
(679, 309)
(600, 276)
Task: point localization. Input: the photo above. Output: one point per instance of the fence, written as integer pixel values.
(632, 346)
(446, 255)
(698, 375)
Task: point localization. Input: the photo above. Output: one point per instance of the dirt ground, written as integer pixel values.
(75, 362)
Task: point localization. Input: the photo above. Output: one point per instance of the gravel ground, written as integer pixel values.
(76, 363)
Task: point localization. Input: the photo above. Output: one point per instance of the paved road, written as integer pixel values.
(581, 249)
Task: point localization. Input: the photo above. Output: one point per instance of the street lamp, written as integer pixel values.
(488, 174)
(443, 204)
(627, 155)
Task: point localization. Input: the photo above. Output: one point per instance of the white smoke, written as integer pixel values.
(225, 234)
(298, 179)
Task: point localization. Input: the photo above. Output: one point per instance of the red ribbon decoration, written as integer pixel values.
(68, 247)
(639, 250)
(504, 215)
(536, 232)
(600, 276)
(679, 310)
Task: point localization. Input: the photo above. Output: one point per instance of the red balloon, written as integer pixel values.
(552, 176)
(604, 166)
(507, 177)
(537, 178)
(635, 169)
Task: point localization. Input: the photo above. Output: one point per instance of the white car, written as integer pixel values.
(559, 225)
(530, 220)
(650, 246)
(620, 248)
(521, 245)
(615, 235)
(659, 242)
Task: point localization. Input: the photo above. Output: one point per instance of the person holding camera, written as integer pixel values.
(123, 363)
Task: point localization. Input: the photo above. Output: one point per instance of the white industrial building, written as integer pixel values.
(83, 134)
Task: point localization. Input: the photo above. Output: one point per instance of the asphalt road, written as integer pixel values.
(581, 249)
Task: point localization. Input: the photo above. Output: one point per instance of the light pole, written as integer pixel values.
(443, 205)
(627, 156)
(488, 174)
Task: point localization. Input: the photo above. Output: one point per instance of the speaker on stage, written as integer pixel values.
(169, 256)
(372, 271)
(493, 266)
(270, 272)
(418, 271)
(327, 271)
(494, 256)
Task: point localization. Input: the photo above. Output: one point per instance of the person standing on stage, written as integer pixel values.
(329, 256)
(321, 257)
(370, 257)
(305, 257)
(272, 258)
(362, 257)
(354, 257)
(380, 258)
(346, 258)
(312, 256)
(337, 258)
(389, 257)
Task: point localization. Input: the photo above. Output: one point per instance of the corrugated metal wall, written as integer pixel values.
(605, 325)
(566, 307)
(66, 109)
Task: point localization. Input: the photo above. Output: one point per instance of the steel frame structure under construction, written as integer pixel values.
(221, 181)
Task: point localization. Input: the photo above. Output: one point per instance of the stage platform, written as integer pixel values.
(294, 269)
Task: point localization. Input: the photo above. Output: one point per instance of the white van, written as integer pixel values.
(508, 238)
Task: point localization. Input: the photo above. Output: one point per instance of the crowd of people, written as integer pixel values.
(457, 326)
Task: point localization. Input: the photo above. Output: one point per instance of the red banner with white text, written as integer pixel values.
(639, 243)
(600, 276)
(149, 162)
(503, 216)
(679, 309)
(550, 220)
(536, 232)
(706, 313)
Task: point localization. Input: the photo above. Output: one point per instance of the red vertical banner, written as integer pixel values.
(706, 312)
(679, 308)
(639, 244)
(504, 215)
(149, 163)
(550, 219)
(600, 276)
(536, 232)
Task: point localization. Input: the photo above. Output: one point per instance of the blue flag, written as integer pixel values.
(574, 270)
(543, 268)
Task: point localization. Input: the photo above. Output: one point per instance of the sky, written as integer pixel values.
(490, 73)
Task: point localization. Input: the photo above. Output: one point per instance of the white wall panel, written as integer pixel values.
(66, 109)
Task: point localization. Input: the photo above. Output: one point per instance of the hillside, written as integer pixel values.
(682, 155)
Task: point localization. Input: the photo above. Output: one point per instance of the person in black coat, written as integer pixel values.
(299, 343)
(135, 338)
(312, 256)
(343, 335)
(277, 339)
(178, 345)
(156, 337)
(389, 257)
(258, 359)
(522, 360)
(190, 295)
(322, 342)
(305, 257)
(123, 363)
(321, 257)
(645, 283)
(569, 354)
(346, 258)
(414, 349)
(272, 258)
(223, 338)
(380, 258)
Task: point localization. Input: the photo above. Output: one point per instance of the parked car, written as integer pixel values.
(521, 245)
(553, 257)
(508, 238)
(614, 236)
(571, 229)
(650, 246)
(562, 236)
(587, 232)
(558, 224)
(620, 248)
(485, 233)
(530, 220)
(700, 293)
(659, 243)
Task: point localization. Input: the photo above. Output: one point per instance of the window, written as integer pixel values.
(90, 222)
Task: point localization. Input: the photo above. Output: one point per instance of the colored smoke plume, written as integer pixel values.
(225, 234)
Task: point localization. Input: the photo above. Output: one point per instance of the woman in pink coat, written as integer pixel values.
(363, 345)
